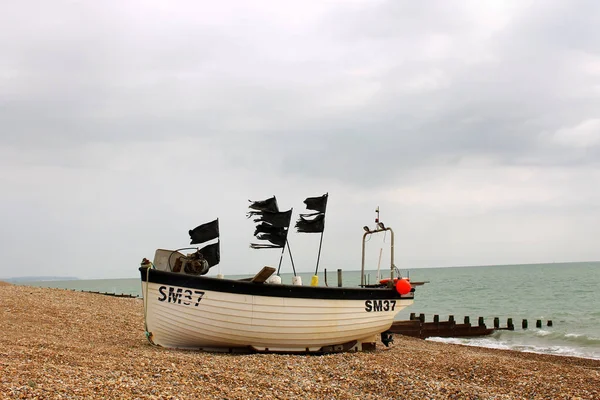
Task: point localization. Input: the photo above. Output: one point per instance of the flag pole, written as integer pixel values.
(283, 249)
(291, 258)
(319, 254)
(281, 257)
(323, 231)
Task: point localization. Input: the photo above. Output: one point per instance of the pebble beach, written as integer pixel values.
(61, 344)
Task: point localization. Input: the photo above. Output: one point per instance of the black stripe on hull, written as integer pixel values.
(277, 290)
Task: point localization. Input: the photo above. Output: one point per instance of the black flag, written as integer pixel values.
(205, 232)
(211, 253)
(269, 205)
(272, 224)
(273, 234)
(277, 238)
(266, 228)
(278, 219)
(313, 222)
(305, 224)
(318, 204)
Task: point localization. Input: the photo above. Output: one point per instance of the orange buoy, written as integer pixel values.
(403, 286)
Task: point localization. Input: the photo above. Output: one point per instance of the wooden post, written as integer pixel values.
(412, 316)
(325, 276)
(496, 322)
(538, 323)
(467, 320)
(422, 318)
(481, 322)
(510, 325)
(339, 278)
(549, 322)
(451, 319)
(436, 319)
(524, 324)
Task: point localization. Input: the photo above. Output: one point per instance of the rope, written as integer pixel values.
(146, 303)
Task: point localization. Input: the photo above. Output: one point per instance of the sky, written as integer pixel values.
(474, 127)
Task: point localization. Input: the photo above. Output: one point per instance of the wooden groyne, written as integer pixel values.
(132, 296)
(417, 327)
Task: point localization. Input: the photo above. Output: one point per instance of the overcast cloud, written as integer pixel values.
(474, 126)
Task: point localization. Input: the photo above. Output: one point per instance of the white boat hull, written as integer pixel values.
(200, 318)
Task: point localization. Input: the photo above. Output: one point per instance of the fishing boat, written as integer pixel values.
(185, 309)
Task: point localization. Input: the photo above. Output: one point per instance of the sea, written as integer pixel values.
(568, 294)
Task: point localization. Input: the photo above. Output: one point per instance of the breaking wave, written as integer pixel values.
(536, 341)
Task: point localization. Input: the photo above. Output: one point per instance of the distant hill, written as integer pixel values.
(38, 278)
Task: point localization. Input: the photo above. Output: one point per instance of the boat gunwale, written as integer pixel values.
(270, 290)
